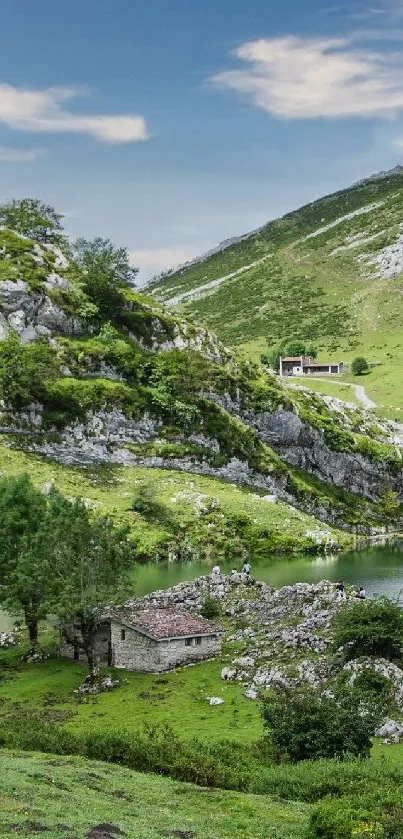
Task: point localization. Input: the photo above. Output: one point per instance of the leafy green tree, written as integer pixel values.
(24, 370)
(359, 366)
(34, 219)
(24, 559)
(369, 628)
(390, 502)
(147, 505)
(106, 270)
(92, 568)
(302, 725)
(287, 348)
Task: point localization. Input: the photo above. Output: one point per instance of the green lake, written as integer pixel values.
(378, 569)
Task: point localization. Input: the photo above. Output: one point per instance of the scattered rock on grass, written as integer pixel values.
(390, 732)
(93, 684)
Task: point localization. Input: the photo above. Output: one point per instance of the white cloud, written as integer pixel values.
(11, 155)
(300, 78)
(42, 111)
(152, 261)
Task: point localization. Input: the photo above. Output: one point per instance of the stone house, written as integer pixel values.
(149, 640)
(306, 365)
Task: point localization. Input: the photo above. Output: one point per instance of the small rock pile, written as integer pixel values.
(95, 683)
(8, 639)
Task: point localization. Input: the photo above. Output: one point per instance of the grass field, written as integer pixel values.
(178, 698)
(58, 798)
(112, 489)
(333, 387)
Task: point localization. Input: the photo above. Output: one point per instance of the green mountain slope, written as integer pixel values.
(95, 376)
(331, 272)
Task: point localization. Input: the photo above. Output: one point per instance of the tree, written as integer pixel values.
(285, 348)
(24, 370)
(92, 568)
(24, 560)
(303, 725)
(106, 270)
(369, 628)
(32, 218)
(359, 366)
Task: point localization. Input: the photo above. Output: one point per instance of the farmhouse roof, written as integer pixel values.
(291, 358)
(323, 364)
(161, 624)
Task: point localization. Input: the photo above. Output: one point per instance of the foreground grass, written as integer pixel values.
(66, 797)
(178, 698)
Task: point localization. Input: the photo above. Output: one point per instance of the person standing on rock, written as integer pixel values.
(216, 570)
(340, 591)
(246, 569)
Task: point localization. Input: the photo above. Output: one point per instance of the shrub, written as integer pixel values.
(374, 817)
(224, 764)
(359, 366)
(210, 608)
(303, 725)
(372, 628)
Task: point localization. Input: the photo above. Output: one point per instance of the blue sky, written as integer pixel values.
(170, 125)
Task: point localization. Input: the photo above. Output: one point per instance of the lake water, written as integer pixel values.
(379, 570)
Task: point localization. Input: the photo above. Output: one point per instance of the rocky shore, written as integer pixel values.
(281, 636)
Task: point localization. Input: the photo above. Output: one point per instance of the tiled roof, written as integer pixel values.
(323, 364)
(165, 623)
(291, 358)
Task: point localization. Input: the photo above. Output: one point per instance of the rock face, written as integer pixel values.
(300, 445)
(33, 315)
(390, 732)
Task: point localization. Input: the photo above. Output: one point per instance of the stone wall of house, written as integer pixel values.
(135, 651)
(101, 646)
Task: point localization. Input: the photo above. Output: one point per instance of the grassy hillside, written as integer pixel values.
(330, 272)
(94, 374)
(214, 518)
(64, 797)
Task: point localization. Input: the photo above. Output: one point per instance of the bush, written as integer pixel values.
(210, 608)
(303, 725)
(224, 764)
(372, 628)
(359, 366)
(377, 817)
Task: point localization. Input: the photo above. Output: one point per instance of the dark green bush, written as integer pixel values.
(379, 816)
(210, 608)
(359, 366)
(302, 725)
(224, 764)
(370, 628)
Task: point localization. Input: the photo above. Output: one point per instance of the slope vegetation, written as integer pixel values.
(97, 375)
(330, 272)
(66, 797)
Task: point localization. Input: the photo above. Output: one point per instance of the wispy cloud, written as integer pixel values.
(11, 155)
(300, 78)
(42, 111)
